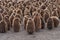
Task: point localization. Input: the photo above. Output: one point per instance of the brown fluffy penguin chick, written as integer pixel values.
(0, 17)
(10, 12)
(25, 21)
(46, 16)
(26, 12)
(1, 9)
(17, 15)
(54, 13)
(30, 26)
(50, 23)
(37, 22)
(6, 18)
(16, 24)
(11, 18)
(34, 13)
(42, 23)
(5, 13)
(3, 26)
(42, 12)
(19, 11)
(58, 12)
(56, 21)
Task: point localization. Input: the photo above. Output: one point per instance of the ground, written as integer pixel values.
(44, 34)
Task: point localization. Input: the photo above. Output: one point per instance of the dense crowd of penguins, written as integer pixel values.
(34, 14)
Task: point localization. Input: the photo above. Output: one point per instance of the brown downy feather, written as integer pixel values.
(16, 24)
(3, 26)
(25, 21)
(46, 16)
(30, 26)
(6, 18)
(0, 17)
(54, 13)
(42, 23)
(37, 22)
(11, 18)
(50, 23)
(56, 21)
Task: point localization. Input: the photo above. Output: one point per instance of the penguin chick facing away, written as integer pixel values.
(30, 26)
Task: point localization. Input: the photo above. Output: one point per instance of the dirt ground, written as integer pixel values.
(44, 34)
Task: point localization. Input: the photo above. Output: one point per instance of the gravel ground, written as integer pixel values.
(44, 34)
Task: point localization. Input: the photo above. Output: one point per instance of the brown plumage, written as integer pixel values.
(56, 21)
(11, 18)
(17, 15)
(30, 26)
(26, 12)
(37, 22)
(42, 12)
(16, 24)
(3, 25)
(10, 12)
(6, 18)
(50, 23)
(46, 16)
(18, 11)
(54, 13)
(1, 9)
(25, 21)
(42, 23)
(58, 12)
(0, 17)
(4, 13)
